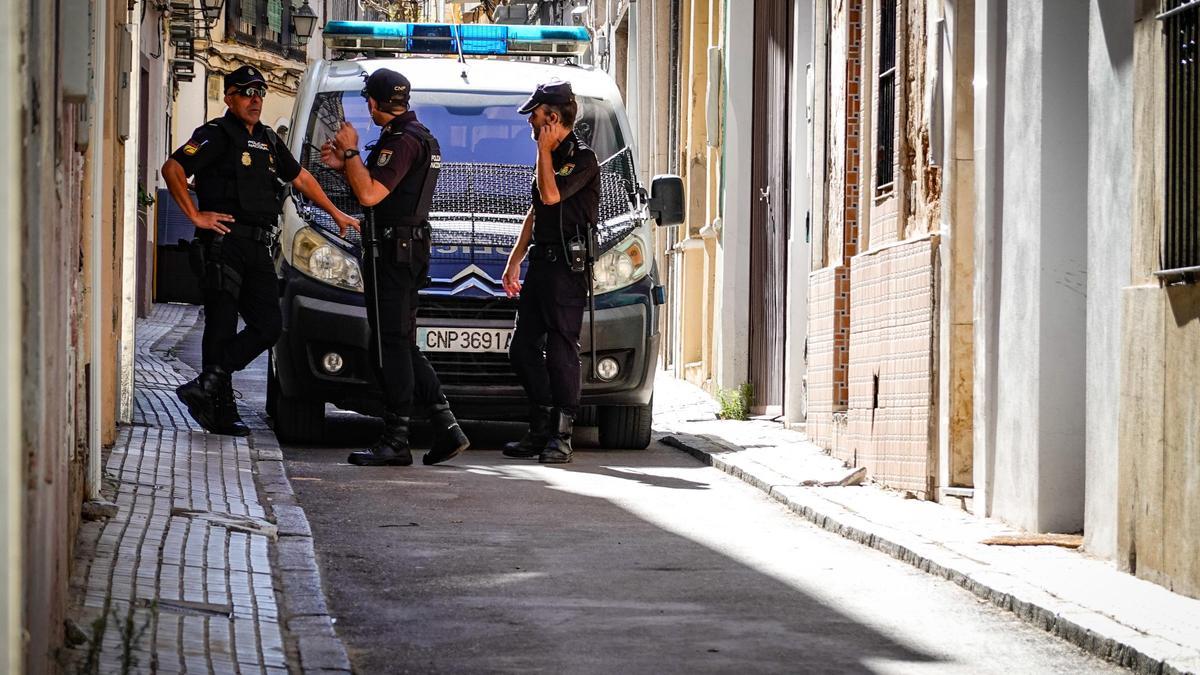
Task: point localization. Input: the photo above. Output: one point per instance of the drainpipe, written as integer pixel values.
(129, 230)
(990, 19)
(96, 135)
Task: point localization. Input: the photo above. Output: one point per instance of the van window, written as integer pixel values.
(473, 128)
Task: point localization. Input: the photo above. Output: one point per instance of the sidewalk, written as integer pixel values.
(208, 565)
(1066, 592)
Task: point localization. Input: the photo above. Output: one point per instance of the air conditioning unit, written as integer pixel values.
(512, 14)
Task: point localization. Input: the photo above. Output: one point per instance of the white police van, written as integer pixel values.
(467, 83)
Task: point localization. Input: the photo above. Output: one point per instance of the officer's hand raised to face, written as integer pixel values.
(550, 135)
(211, 220)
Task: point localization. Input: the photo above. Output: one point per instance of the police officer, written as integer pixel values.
(240, 166)
(545, 345)
(397, 184)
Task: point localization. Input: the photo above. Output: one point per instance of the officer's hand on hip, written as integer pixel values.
(332, 157)
(347, 137)
(511, 280)
(211, 220)
(344, 222)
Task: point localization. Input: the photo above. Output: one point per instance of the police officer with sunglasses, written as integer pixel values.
(240, 167)
(396, 186)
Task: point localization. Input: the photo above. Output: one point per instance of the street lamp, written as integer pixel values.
(304, 21)
(211, 9)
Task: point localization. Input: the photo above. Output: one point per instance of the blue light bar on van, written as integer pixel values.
(443, 38)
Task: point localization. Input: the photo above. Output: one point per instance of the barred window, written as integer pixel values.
(885, 158)
(266, 24)
(1181, 223)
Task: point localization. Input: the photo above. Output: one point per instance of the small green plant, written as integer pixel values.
(132, 633)
(735, 403)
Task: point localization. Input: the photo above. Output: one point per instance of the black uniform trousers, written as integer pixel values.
(545, 345)
(406, 375)
(257, 300)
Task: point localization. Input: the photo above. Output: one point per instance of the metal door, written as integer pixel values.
(769, 202)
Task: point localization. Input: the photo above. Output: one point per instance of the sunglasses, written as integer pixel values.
(251, 92)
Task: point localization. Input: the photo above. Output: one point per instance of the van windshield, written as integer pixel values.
(483, 190)
(482, 128)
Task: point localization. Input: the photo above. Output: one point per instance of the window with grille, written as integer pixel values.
(266, 24)
(885, 157)
(1181, 223)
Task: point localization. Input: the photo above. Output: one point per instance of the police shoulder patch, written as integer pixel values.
(566, 170)
(385, 156)
(192, 147)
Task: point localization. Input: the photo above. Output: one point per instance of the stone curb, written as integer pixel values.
(310, 630)
(1089, 630)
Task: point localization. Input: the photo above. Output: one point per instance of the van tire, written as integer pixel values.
(625, 427)
(299, 420)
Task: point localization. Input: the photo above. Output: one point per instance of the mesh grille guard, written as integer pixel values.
(477, 205)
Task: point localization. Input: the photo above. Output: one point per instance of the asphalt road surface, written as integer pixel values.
(623, 561)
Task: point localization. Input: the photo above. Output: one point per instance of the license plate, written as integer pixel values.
(439, 339)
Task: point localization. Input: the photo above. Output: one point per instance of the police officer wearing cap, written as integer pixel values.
(240, 166)
(545, 345)
(396, 184)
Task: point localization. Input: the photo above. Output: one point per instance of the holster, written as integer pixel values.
(213, 272)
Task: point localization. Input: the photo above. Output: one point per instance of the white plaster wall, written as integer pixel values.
(1110, 212)
(731, 347)
(1038, 477)
(799, 254)
(13, 21)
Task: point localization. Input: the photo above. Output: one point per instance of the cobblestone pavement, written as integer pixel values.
(186, 577)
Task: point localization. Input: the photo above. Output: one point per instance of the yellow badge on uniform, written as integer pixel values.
(245, 159)
(384, 157)
(192, 147)
(566, 170)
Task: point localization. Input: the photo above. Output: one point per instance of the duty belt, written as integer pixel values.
(547, 252)
(260, 233)
(402, 232)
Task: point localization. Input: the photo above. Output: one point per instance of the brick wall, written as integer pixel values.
(891, 363)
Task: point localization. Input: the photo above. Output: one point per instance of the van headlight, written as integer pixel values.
(622, 265)
(316, 257)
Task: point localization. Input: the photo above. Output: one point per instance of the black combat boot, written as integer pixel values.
(534, 440)
(558, 446)
(390, 450)
(448, 438)
(229, 423)
(202, 396)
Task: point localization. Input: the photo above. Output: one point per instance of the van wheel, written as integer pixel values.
(625, 427)
(299, 420)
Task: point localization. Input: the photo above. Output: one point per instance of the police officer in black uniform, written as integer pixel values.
(396, 185)
(545, 345)
(240, 167)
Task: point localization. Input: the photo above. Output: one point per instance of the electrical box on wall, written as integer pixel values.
(713, 102)
(124, 79)
(75, 60)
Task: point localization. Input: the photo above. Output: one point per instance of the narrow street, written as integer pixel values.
(635, 561)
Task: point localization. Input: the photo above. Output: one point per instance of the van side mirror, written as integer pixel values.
(666, 200)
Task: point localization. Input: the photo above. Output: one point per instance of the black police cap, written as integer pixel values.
(554, 92)
(246, 75)
(388, 87)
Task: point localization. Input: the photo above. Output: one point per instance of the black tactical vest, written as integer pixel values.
(244, 182)
(410, 202)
